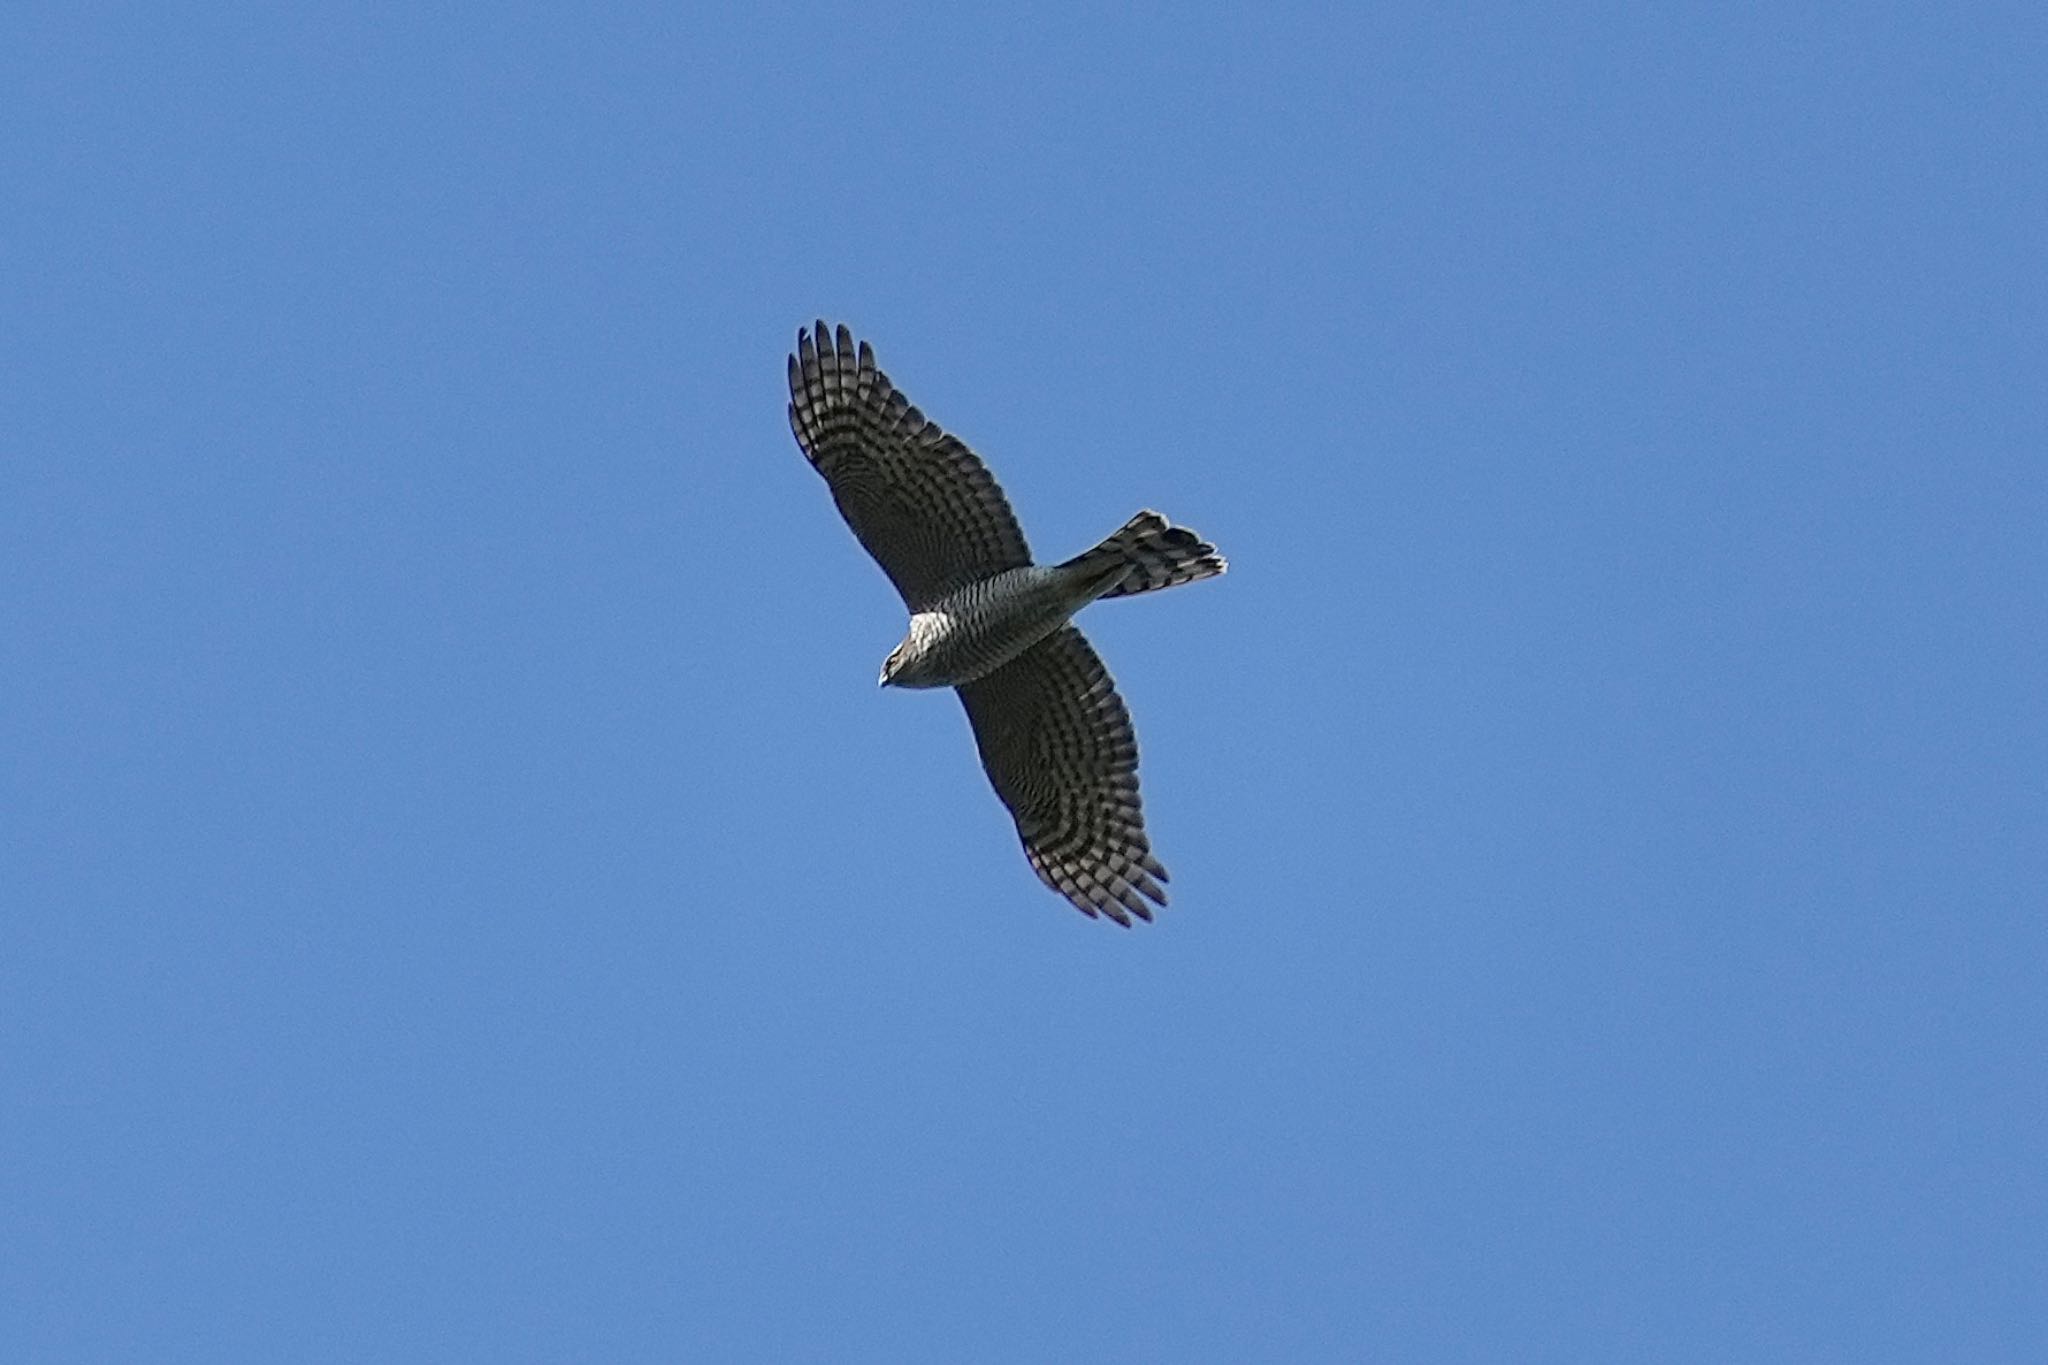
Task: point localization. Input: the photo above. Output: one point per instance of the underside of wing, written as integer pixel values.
(1057, 743)
(920, 501)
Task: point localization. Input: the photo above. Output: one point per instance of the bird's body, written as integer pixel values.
(976, 629)
(1055, 739)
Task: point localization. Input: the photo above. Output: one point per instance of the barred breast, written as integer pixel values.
(970, 633)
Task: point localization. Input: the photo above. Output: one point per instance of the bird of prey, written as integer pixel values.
(1054, 736)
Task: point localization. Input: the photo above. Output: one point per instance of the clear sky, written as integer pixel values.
(465, 897)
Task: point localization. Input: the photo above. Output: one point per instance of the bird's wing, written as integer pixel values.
(923, 504)
(1058, 746)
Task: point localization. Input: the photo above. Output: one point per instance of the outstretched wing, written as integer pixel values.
(923, 504)
(1058, 746)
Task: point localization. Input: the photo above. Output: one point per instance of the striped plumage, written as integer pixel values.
(1153, 555)
(1055, 739)
(1058, 746)
(921, 502)
(977, 628)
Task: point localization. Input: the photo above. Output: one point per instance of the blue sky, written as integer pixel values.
(465, 898)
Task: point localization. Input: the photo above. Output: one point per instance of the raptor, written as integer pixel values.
(1055, 738)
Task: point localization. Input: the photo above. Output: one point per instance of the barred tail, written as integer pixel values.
(1151, 554)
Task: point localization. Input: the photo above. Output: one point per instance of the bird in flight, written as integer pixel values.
(1055, 738)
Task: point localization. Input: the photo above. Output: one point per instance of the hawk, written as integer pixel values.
(1055, 739)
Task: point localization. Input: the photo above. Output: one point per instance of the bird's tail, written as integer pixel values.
(1149, 554)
